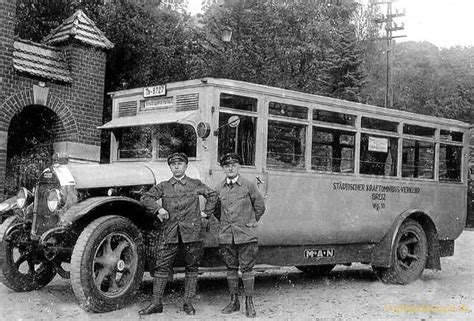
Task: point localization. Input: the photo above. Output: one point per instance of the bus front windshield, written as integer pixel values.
(155, 141)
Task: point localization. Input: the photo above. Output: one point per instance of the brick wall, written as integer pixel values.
(78, 105)
(470, 194)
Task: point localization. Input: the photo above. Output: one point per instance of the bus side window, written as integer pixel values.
(332, 150)
(286, 145)
(239, 137)
(450, 158)
(418, 159)
(418, 156)
(378, 155)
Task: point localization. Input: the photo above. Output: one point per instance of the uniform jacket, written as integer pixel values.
(240, 205)
(181, 199)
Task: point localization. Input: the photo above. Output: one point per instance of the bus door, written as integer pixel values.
(239, 130)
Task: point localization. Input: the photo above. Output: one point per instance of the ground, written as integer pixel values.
(283, 294)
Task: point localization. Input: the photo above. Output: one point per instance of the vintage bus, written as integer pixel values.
(343, 182)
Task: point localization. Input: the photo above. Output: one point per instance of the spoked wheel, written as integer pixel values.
(107, 264)
(23, 268)
(315, 270)
(409, 255)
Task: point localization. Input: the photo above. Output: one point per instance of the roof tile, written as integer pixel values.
(40, 60)
(80, 27)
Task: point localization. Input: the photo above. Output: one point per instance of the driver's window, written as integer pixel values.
(140, 142)
(176, 138)
(134, 142)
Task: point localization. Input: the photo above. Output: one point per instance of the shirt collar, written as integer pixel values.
(236, 179)
(173, 180)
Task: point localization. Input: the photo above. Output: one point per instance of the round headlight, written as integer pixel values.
(54, 199)
(21, 197)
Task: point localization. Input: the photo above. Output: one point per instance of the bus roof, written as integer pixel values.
(301, 96)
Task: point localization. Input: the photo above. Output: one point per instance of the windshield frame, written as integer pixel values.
(154, 143)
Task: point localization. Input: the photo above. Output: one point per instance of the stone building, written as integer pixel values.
(63, 76)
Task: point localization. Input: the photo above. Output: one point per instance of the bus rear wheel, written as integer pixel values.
(315, 270)
(409, 255)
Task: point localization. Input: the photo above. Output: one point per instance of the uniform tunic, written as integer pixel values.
(181, 199)
(241, 208)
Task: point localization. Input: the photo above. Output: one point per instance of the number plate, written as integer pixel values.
(317, 253)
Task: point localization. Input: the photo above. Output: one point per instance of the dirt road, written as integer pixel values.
(283, 294)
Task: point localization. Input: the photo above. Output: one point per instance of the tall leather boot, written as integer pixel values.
(190, 282)
(156, 305)
(248, 289)
(234, 304)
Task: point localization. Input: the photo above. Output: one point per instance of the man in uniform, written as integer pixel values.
(181, 218)
(241, 207)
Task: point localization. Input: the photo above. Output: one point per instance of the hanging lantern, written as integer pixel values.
(226, 34)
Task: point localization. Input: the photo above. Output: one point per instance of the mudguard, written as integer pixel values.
(128, 206)
(383, 253)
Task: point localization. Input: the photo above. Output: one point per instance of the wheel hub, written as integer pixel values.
(120, 265)
(403, 251)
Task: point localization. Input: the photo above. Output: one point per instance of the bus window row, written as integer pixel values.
(333, 148)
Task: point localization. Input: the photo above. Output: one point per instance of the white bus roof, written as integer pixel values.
(301, 96)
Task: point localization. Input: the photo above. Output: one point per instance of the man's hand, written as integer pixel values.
(205, 221)
(163, 214)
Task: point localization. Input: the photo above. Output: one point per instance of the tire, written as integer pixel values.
(409, 255)
(315, 270)
(22, 269)
(107, 264)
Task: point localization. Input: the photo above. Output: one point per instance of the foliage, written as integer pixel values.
(426, 80)
(35, 20)
(29, 147)
(150, 45)
(303, 45)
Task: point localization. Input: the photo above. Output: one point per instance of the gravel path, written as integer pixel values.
(283, 294)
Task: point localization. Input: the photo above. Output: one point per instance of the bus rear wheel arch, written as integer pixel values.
(409, 255)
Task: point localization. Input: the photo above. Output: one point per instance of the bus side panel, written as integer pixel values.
(327, 209)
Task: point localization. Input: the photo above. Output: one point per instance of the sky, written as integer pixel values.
(445, 23)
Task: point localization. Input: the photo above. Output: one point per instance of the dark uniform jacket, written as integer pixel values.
(181, 199)
(241, 207)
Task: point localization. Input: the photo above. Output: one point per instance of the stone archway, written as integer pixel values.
(38, 96)
(48, 123)
(31, 138)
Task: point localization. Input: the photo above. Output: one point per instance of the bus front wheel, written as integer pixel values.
(409, 255)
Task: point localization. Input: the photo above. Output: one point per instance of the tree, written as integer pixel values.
(302, 45)
(426, 80)
(35, 20)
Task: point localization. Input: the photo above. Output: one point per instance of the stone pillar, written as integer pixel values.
(7, 28)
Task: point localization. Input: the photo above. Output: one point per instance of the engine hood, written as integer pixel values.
(117, 174)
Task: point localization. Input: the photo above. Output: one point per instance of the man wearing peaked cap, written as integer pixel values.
(182, 226)
(176, 157)
(238, 218)
(230, 158)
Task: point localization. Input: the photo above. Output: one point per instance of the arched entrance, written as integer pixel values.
(31, 135)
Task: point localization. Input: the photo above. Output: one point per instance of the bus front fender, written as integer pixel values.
(106, 205)
(382, 255)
